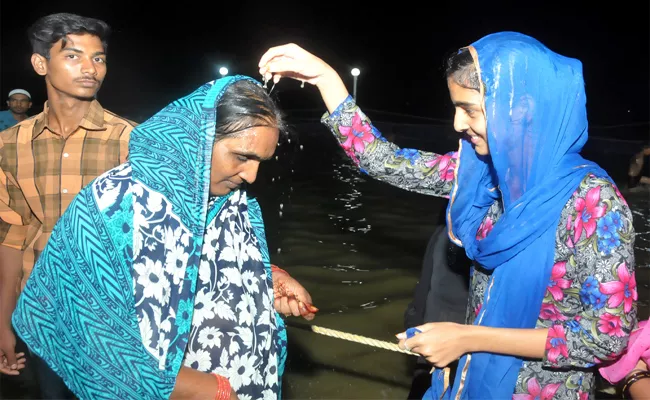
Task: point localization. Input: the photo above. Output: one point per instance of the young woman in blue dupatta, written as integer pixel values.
(553, 290)
(156, 282)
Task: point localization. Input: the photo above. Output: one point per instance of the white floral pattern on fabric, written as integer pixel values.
(234, 321)
(152, 280)
(234, 327)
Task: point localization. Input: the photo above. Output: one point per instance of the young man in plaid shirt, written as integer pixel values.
(47, 159)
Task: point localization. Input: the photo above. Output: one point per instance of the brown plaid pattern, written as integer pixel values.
(42, 171)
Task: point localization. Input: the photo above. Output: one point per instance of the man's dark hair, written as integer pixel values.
(48, 30)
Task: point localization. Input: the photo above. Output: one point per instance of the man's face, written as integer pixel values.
(76, 70)
(19, 103)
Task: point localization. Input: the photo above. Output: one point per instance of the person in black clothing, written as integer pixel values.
(440, 295)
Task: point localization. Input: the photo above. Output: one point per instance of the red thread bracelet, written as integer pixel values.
(223, 388)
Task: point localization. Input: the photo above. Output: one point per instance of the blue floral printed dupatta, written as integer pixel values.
(535, 108)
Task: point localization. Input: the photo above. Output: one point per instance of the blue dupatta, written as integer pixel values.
(535, 108)
(111, 302)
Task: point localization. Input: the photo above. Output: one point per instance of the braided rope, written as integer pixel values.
(370, 342)
(360, 339)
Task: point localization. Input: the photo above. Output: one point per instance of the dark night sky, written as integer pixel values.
(158, 54)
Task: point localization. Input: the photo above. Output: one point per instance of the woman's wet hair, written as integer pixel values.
(461, 69)
(246, 105)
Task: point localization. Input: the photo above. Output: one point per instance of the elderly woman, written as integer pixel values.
(156, 281)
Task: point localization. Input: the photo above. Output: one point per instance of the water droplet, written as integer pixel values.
(281, 206)
(301, 147)
(280, 214)
(289, 140)
(279, 250)
(272, 179)
(276, 158)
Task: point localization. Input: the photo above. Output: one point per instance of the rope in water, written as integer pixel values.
(360, 339)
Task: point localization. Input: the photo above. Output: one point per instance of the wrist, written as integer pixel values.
(328, 78)
(223, 387)
(472, 336)
(275, 268)
(640, 366)
(332, 90)
(5, 325)
(632, 379)
(5, 319)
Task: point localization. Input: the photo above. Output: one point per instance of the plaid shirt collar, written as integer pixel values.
(92, 121)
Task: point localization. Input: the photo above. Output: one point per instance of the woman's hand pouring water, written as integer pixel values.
(292, 61)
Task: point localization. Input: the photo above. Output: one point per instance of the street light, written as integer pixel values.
(355, 73)
(223, 71)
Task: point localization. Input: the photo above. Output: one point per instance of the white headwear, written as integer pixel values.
(20, 91)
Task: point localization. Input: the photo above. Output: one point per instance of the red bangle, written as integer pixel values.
(275, 268)
(223, 388)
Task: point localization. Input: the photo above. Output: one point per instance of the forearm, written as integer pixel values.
(410, 169)
(192, 384)
(332, 90)
(10, 274)
(526, 343)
